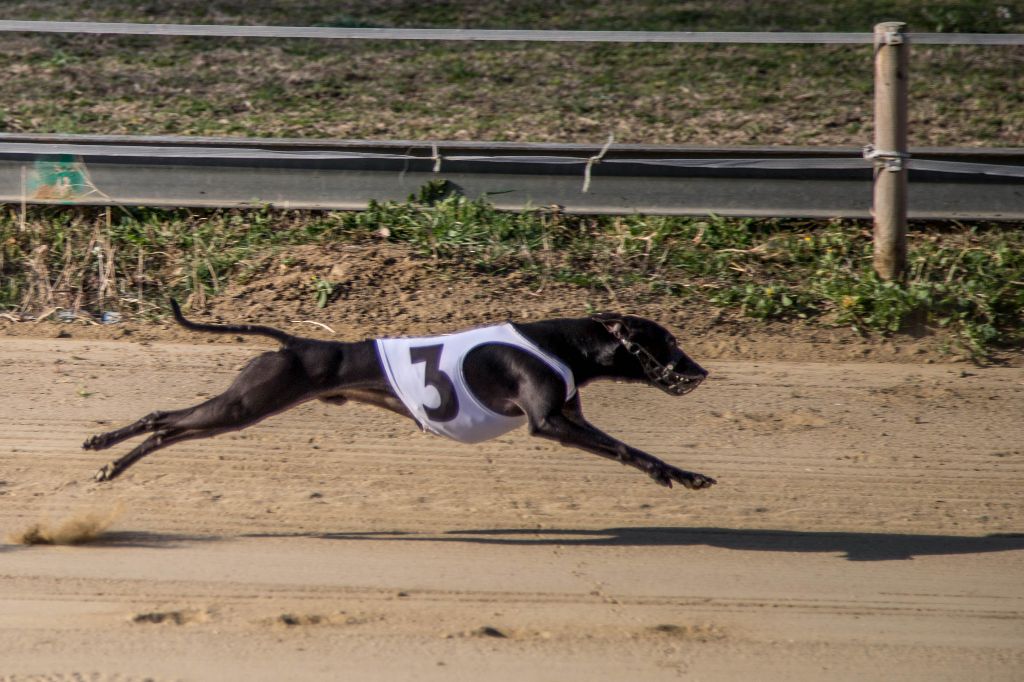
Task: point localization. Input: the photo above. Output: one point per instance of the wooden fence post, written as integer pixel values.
(890, 150)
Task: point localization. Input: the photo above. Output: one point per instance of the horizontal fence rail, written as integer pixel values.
(813, 182)
(781, 181)
(455, 34)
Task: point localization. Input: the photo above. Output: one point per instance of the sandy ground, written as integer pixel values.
(867, 525)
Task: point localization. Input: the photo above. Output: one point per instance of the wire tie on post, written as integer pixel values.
(436, 157)
(595, 159)
(891, 160)
(893, 38)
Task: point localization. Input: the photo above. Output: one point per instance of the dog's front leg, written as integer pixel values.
(573, 430)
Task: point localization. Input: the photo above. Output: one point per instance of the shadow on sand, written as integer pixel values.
(151, 540)
(850, 546)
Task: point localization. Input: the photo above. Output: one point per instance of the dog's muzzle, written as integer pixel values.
(664, 377)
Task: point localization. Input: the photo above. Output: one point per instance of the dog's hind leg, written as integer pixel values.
(226, 412)
(160, 439)
(271, 383)
(103, 441)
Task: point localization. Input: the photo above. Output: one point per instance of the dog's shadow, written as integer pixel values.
(850, 546)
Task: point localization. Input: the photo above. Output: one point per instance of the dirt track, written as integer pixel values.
(867, 525)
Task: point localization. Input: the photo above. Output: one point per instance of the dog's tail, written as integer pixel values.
(283, 338)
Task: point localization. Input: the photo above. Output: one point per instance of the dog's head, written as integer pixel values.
(645, 351)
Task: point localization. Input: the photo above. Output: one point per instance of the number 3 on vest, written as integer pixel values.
(440, 381)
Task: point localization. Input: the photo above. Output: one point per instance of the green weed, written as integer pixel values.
(323, 290)
(967, 282)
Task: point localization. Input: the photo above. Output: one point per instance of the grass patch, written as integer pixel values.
(965, 282)
(660, 94)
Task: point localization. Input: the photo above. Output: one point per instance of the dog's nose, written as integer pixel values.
(689, 368)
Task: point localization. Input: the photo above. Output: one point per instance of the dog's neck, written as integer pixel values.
(583, 344)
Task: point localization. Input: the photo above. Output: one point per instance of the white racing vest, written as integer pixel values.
(426, 374)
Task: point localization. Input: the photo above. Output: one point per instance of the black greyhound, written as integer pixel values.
(509, 381)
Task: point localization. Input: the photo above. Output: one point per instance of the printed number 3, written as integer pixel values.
(431, 357)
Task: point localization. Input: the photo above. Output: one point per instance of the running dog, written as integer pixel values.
(469, 386)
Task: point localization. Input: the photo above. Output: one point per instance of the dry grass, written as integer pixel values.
(659, 94)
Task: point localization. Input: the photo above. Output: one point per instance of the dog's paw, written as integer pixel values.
(107, 472)
(93, 443)
(695, 481)
(667, 475)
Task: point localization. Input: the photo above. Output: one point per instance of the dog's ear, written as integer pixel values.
(612, 322)
(616, 326)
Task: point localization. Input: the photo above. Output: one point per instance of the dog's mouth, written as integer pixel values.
(664, 377)
(674, 383)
